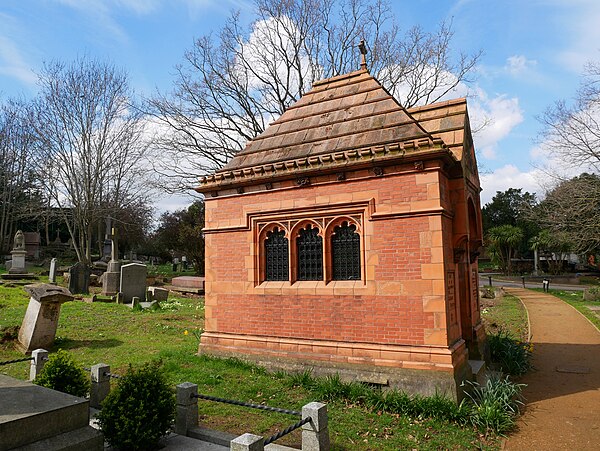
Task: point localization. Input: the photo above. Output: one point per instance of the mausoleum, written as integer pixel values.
(345, 239)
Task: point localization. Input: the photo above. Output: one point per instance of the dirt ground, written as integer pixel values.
(563, 392)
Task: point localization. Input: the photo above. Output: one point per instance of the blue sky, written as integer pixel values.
(534, 53)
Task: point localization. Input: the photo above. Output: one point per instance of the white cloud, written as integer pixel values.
(500, 113)
(13, 64)
(519, 65)
(509, 176)
(581, 33)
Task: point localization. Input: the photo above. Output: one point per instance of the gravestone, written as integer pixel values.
(18, 254)
(79, 278)
(133, 282)
(52, 273)
(41, 318)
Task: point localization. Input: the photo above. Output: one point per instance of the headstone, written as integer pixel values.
(79, 278)
(8, 265)
(41, 318)
(18, 254)
(133, 281)
(52, 274)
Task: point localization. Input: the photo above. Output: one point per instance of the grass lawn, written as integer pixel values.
(575, 298)
(505, 313)
(116, 335)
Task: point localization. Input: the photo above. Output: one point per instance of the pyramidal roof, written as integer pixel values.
(345, 112)
(343, 119)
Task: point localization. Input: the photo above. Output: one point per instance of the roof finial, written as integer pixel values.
(363, 54)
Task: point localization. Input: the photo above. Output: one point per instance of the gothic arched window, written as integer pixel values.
(345, 252)
(309, 247)
(276, 256)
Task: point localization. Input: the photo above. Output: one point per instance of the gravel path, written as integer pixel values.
(563, 392)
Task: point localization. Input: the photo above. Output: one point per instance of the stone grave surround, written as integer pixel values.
(401, 307)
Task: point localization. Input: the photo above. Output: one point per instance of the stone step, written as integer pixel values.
(30, 413)
(86, 438)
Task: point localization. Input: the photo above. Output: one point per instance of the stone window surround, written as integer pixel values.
(325, 224)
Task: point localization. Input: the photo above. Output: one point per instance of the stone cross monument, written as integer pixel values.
(111, 278)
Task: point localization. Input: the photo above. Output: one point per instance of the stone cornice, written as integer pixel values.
(378, 154)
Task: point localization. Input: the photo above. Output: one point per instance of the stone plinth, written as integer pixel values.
(110, 283)
(41, 318)
(111, 278)
(18, 261)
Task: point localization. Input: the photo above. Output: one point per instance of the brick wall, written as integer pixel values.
(401, 299)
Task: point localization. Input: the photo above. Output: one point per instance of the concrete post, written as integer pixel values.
(40, 357)
(100, 384)
(315, 435)
(247, 442)
(186, 415)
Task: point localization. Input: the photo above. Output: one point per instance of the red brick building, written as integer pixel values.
(345, 238)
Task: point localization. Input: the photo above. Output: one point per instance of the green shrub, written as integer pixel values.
(62, 373)
(512, 356)
(494, 406)
(139, 410)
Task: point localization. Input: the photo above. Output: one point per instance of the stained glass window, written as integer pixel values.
(276, 256)
(310, 254)
(345, 252)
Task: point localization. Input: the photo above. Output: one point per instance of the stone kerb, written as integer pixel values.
(41, 318)
(133, 282)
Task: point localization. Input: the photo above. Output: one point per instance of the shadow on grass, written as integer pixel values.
(67, 343)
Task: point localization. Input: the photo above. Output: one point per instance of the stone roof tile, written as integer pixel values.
(339, 113)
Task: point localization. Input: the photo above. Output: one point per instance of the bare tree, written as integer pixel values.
(19, 195)
(89, 145)
(570, 213)
(232, 84)
(572, 132)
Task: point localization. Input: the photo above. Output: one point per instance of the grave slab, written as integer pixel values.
(188, 284)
